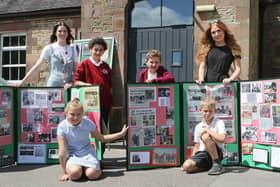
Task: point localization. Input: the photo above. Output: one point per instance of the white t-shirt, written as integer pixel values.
(152, 76)
(216, 125)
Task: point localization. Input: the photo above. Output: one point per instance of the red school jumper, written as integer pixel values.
(96, 75)
(163, 76)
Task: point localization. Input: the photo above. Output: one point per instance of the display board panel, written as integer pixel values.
(40, 110)
(90, 97)
(260, 123)
(226, 109)
(7, 142)
(153, 113)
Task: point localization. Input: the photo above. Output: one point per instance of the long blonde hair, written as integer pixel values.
(207, 42)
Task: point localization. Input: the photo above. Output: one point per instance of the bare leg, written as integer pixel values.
(75, 171)
(190, 166)
(210, 146)
(92, 173)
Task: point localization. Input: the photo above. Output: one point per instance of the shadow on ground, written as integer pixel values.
(20, 168)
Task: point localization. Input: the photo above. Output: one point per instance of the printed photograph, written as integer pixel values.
(222, 94)
(256, 87)
(270, 86)
(30, 137)
(136, 137)
(30, 127)
(27, 98)
(55, 119)
(270, 97)
(91, 96)
(6, 97)
(54, 95)
(265, 111)
(137, 97)
(150, 94)
(196, 93)
(3, 114)
(229, 126)
(224, 110)
(164, 156)
(44, 137)
(54, 134)
(139, 157)
(249, 133)
(247, 148)
(163, 92)
(5, 129)
(232, 157)
(245, 87)
(170, 115)
(56, 108)
(269, 137)
(34, 115)
(149, 136)
(52, 153)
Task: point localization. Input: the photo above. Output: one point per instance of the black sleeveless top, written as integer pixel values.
(218, 63)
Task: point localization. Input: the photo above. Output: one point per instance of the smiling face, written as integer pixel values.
(74, 115)
(61, 33)
(97, 51)
(153, 64)
(218, 35)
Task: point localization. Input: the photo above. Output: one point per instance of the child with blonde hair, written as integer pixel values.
(209, 136)
(76, 154)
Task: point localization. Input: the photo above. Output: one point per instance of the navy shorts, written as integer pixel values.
(203, 159)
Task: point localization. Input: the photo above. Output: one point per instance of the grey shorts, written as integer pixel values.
(203, 159)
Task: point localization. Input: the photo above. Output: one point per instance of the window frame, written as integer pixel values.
(12, 48)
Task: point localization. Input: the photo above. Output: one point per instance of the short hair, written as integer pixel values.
(208, 101)
(97, 41)
(153, 53)
(75, 103)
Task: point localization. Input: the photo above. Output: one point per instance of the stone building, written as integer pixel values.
(173, 26)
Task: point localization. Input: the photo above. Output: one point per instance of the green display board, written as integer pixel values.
(40, 110)
(7, 143)
(90, 97)
(153, 115)
(84, 52)
(260, 123)
(226, 109)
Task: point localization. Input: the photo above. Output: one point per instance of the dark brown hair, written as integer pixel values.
(53, 37)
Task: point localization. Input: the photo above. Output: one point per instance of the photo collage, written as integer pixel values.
(6, 127)
(224, 96)
(41, 111)
(260, 120)
(151, 118)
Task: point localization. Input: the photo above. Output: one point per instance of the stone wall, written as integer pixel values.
(107, 18)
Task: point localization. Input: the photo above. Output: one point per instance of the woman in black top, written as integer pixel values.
(218, 50)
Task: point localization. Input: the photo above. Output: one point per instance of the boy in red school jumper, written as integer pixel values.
(93, 71)
(155, 73)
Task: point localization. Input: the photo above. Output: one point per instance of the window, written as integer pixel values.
(13, 56)
(159, 13)
(176, 58)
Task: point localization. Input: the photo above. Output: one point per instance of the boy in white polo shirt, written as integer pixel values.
(209, 137)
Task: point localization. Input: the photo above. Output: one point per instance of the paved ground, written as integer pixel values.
(115, 175)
